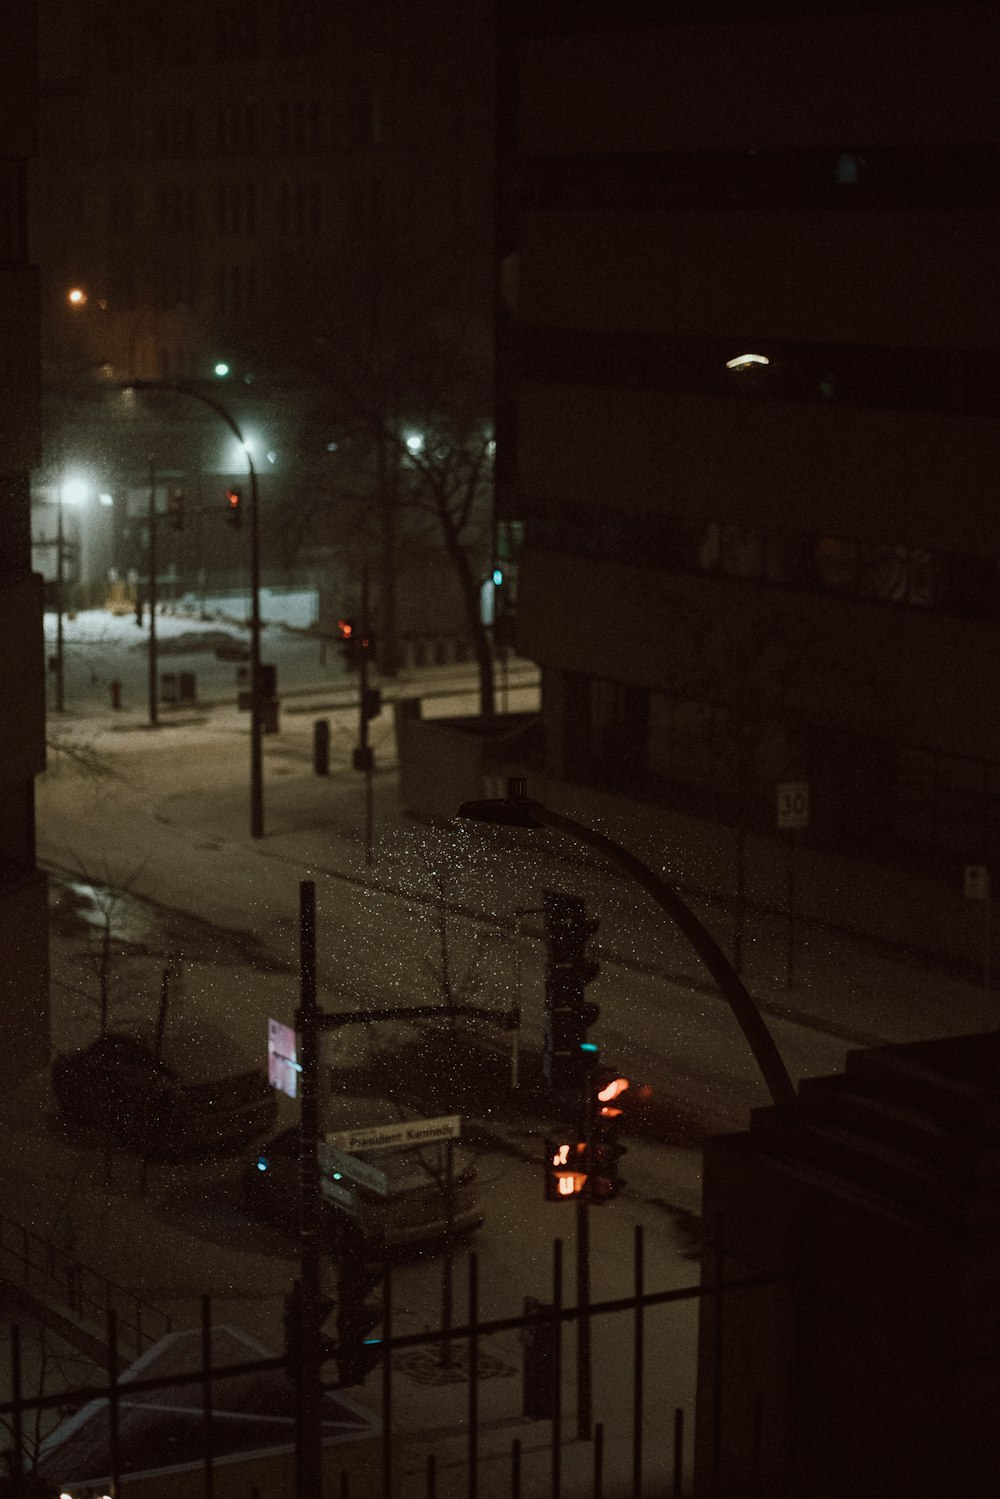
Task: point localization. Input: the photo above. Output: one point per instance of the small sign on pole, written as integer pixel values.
(339, 1164)
(793, 805)
(282, 1058)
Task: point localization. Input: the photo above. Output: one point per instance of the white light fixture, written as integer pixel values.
(742, 361)
(415, 442)
(74, 491)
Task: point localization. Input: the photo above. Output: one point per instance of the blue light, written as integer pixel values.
(337, 1176)
(587, 1046)
(262, 1163)
(497, 576)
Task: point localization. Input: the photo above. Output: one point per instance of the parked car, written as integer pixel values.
(117, 1087)
(415, 1208)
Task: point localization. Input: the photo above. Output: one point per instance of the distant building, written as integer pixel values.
(749, 407)
(263, 197)
(23, 912)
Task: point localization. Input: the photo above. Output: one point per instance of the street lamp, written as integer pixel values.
(256, 717)
(516, 810)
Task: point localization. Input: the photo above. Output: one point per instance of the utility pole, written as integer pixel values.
(60, 605)
(153, 715)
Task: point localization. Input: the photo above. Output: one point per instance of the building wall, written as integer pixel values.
(23, 911)
(787, 567)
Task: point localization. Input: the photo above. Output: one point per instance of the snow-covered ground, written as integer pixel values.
(101, 648)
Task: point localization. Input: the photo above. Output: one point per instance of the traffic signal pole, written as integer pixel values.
(153, 705)
(584, 1383)
(364, 753)
(310, 1445)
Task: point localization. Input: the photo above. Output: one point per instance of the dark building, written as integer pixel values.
(271, 197)
(749, 411)
(23, 915)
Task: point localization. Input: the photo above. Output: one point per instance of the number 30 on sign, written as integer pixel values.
(793, 805)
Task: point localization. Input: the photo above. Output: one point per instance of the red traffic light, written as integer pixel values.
(565, 1170)
(234, 500)
(609, 1092)
(345, 628)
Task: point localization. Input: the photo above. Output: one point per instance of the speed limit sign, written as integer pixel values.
(793, 805)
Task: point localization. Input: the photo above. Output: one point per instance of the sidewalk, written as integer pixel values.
(170, 823)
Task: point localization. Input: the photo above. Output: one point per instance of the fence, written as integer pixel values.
(653, 1432)
(48, 1274)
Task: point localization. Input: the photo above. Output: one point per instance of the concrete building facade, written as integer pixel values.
(748, 410)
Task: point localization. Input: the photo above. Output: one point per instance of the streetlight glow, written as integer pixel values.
(74, 491)
(415, 442)
(76, 297)
(743, 361)
(222, 369)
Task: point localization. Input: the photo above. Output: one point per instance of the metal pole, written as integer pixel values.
(637, 1372)
(448, 1268)
(584, 1398)
(152, 595)
(60, 606)
(256, 714)
(790, 953)
(363, 716)
(473, 1375)
(206, 1392)
(557, 1302)
(310, 1453)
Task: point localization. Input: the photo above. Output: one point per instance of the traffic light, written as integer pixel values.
(360, 1271)
(565, 1169)
(234, 514)
(606, 1095)
(176, 501)
(349, 642)
(568, 970)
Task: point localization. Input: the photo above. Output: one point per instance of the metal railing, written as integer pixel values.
(56, 1278)
(654, 1433)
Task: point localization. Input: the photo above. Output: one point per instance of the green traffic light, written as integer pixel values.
(222, 369)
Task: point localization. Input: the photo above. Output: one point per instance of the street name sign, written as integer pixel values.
(282, 1061)
(793, 805)
(334, 1192)
(406, 1132)
(348, 1166)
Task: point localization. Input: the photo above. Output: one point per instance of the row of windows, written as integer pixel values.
(947, 582)
(245, 128)
(634, 738)
(863, 177)
(297, 209)
(243, 32)
(876, 377)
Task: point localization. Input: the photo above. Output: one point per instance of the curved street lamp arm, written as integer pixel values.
(748, 1017)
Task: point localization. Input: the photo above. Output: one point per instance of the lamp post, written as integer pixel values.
(256, 717)
(516, 810)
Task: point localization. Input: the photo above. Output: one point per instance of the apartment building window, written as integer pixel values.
(177, 208)
(300, 208)
(299, 125)
(236, 204)
(175, 131)
(237, 33)
(237, 288)
(948, 801)
(237, 128)
(300, 27)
